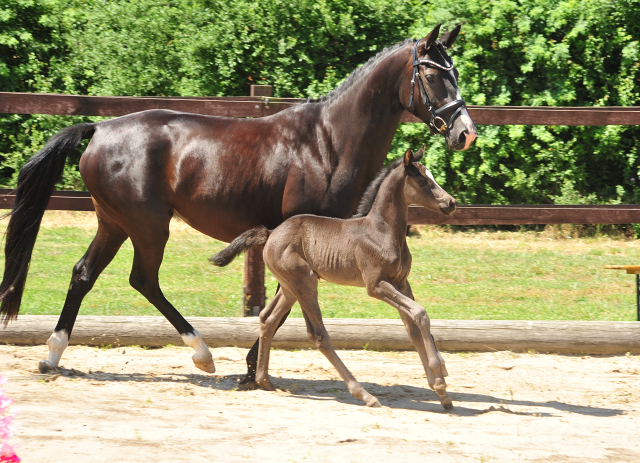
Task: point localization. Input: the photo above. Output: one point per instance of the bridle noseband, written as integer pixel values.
(436, 114)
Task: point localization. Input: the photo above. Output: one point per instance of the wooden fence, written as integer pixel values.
(465, 215)
(258, 106)
(261, 103)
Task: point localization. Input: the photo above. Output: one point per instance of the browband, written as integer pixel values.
(436, 114)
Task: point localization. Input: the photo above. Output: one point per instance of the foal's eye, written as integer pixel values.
(430, 78)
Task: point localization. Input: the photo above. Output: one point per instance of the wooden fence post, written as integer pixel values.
(253, 299)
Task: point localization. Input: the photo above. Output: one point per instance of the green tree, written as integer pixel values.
(531, 53)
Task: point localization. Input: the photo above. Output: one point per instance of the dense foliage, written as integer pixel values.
(531, 53)
(527, 52)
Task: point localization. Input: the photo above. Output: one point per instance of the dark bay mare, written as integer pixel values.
(224, 176)
(369, 250)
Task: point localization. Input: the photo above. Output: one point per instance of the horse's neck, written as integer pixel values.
(390, 208)
(363, 121)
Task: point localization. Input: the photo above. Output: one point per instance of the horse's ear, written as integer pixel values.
(428, 40)
(450, 37)
(419, 154)
(408, 157)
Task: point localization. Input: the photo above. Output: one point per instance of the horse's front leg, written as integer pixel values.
(387, 292)
(416, 338)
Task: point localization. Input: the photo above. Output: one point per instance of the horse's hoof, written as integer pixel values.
(248, 384)
(207, 366)
(265, 384)
(446, 401)
(45, 366)
(373, 403)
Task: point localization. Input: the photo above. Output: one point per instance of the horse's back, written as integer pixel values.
(222, 175)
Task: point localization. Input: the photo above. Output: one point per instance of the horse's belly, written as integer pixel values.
(219, 223)
(342, 278)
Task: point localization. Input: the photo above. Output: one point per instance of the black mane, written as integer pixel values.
(360, 72)
(366, 203)
(366, 68)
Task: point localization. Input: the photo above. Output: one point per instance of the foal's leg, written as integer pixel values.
(102, 250)
(387, 292)
(318, 335)
(249, 380)
(270, 320)
(304, 285)
(148, 247)
(416, 339)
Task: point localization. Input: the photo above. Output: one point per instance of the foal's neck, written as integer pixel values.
(391, 206)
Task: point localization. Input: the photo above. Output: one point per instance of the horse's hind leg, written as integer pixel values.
(101, 252)
(271, 318)
(148, 246)
(304, 285)
(249, 381)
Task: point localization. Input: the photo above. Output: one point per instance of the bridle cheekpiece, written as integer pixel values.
(437, 124)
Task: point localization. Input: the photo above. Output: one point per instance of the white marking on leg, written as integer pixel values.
(202, 358)
(57, 342)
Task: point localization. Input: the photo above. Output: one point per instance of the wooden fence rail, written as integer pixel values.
(258, 106)
(465, 215)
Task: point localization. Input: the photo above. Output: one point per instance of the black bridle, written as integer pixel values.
(436, 114)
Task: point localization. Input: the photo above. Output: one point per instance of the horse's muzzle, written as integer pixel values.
(450, 208)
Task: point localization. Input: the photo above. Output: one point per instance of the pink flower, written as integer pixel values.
(7, 430)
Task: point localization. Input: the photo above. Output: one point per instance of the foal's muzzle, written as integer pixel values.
(449, 208)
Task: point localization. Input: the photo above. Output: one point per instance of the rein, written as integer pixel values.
(436, 114)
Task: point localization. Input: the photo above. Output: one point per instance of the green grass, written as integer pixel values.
(537, 276)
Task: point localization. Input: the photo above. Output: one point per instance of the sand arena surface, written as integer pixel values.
(132, 405)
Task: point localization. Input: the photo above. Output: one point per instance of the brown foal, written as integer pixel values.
(369, 250)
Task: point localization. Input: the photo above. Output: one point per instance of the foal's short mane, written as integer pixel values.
(366, 203)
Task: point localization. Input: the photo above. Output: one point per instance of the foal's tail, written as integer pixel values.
(253, 237)
(36, 182)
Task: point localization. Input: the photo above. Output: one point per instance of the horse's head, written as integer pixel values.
(422, 189)
(432, 94)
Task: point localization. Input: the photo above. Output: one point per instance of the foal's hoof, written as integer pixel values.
(265, 384)
(373, 402)
(445, 400)
(446, 403)
(46, 366)
(207, 366)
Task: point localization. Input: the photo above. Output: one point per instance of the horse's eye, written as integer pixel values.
(430, 78)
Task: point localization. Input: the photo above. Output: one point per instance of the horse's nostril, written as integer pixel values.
(462, 138)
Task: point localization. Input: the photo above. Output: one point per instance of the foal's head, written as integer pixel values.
(422, 189)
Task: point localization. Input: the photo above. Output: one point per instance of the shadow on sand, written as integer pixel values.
(396, 396)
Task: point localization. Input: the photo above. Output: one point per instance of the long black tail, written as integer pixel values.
(36, 182)
(253, 237)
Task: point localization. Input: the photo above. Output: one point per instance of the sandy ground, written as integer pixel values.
(135, 405)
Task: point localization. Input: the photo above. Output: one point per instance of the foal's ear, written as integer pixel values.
(408, 157)
(450, 37)
(419, 154)
(428, 40)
